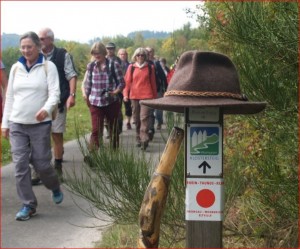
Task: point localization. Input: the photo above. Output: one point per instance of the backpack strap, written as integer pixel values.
(149, 70)
(91, 68)
(110, 65)
(132, 70)
(110, 71)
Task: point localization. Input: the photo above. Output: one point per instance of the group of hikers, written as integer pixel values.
(41, 88)
(111, 80)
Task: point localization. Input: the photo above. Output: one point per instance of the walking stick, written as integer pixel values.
(157, 191)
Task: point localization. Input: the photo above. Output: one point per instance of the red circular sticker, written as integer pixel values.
(205, 198)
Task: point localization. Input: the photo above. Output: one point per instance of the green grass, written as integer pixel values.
(5, 150)
(78, 118)
(119, 236)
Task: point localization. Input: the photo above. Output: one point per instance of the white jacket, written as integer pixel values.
(29, 92)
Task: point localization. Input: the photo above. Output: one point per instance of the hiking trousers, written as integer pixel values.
(141, 115)
(31, 143)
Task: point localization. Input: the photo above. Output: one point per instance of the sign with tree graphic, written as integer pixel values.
(204, 150)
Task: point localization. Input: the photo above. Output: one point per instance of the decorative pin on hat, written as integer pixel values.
(205, 79)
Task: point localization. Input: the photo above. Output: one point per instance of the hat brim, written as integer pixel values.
(228, 106)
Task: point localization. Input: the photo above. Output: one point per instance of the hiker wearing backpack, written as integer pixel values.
(32, 95)
(3, 86)
(67, 84)
(104, 83)
(140, 85)
(123, 55)
(111, 55)
(161, 83)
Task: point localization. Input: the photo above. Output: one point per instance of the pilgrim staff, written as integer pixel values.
(157, 192)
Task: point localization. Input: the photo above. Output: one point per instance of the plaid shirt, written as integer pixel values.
(96, 90)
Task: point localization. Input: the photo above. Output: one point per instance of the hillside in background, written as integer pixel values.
(9, 40)
(150, 34)
(12, 40)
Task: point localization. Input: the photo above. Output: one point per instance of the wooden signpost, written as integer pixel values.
(204, 177)
(204, 87)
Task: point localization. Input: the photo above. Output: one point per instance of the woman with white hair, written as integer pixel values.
(140, 85)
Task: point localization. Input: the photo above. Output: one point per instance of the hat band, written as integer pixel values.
(205, 94)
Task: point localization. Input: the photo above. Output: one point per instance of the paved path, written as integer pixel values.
(56, 226)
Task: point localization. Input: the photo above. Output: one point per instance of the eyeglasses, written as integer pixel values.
(24, 48)
(140, 55)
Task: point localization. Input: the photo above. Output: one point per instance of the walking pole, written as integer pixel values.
(157, 191)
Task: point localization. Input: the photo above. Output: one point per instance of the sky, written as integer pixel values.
(82, 21)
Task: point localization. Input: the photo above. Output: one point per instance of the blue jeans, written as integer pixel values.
(159, 113)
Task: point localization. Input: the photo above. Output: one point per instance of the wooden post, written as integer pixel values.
(204, 234)
(204, 177)
(156, 194)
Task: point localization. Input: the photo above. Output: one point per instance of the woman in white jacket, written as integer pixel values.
(32, 95)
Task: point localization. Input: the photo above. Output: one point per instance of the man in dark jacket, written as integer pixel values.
(161, 83)
(67, 82)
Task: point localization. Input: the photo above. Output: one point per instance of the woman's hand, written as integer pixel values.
(41, 115)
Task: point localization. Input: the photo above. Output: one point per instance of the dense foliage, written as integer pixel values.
(260, 151)
(262, 39)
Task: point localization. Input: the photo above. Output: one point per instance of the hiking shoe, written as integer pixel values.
(35, 178)
(151, 135)
(57, 196)
(128, 126)
(144, 145)
(158, 127)
(25, 213)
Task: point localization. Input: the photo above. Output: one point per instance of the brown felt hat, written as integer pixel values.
(205, 79)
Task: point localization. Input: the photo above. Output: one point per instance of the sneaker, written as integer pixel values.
(35, 178)
(151, 135)
(128, 126)
(57, 196)
(144, 145)
(158, 127)
(25, 213)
